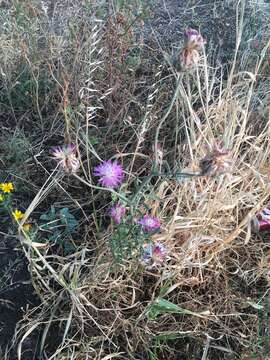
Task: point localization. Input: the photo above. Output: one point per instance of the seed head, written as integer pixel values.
(189, 56)
(65, 155)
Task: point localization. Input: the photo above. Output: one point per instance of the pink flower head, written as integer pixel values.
(149, 223)
(158, 253)
(110, 173)
(66, 157)
(154, 254)
(116, 212)
(193, 39)
(261, 221)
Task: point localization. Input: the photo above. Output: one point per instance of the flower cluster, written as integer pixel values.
(110, 174)
(66, 157)
(6, 188)
(189, 55)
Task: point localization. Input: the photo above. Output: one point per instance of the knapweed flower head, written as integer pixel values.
(261, 221)
(116, 212)
(153, 254)
(110, 174)
(17, 214)
(189, 56)
(6, 187)
(217, 162)
(149, 223)
(66, 157)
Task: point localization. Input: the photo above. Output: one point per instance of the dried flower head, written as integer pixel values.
(153, 254)
(217, 162)
(17, 214)
(193, 39)
(189, 55)
(149, 223)
(116, 212)
(66, 157)
(6, 187)
(110, 174)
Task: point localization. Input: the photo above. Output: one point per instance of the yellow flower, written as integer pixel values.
(6, 187)
(17, 214)
(26, 227)
(1, 197)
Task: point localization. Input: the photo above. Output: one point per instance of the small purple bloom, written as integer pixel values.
(154, 254)
(110, 173)
(158, 253)
(149, 223)
(116, 212)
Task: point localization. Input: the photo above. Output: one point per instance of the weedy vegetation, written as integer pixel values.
(132, 173)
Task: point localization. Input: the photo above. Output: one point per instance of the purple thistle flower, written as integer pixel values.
(110, 173)
(149, 223)
(116, 212)
(66, 157)
(153, 253)
(158, 253)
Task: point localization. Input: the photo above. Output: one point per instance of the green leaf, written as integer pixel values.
(172, 335)
(161, 306)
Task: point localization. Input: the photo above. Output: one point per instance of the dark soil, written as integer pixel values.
(16, 296)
